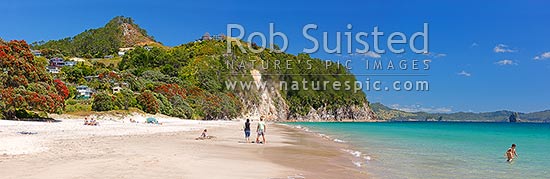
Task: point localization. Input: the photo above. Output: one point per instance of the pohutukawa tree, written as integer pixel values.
(25, 84)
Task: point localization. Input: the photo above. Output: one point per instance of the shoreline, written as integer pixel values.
(128, 150)
(358, 157)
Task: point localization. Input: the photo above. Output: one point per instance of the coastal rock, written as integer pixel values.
(346, 113)
(264, 101)
(514, 117)
(270, 103)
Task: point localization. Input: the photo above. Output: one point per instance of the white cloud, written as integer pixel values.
(501, 48)
(440, 55)
(434, 54)
(544, 55)
(506, 62)
(464, 73)
(474, 45)
(372, 54)
(420, 108)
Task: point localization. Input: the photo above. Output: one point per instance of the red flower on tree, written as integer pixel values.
(25, 84)
(61, 88)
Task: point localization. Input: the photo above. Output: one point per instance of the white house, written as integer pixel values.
(70, 63)
(36, 53)
(148, 48)
(84, 91)
(76, 59)
(122, 51)
(53, 69)
(117, 89)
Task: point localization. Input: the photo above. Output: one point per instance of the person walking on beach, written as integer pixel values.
(261, 130)
(511, 153)
(247, 130)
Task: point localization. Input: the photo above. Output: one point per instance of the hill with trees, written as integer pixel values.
(192, 80)
(96, 43)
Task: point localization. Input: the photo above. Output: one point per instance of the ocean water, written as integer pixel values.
(444, 149)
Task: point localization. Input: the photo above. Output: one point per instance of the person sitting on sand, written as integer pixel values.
(86, 122)
(261, 130)
(247, 130)
(511, 153)
(204, 134)
(93, 122)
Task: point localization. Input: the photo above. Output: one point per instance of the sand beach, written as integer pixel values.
(118, 148)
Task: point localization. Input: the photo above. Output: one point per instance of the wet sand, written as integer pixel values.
(289, 153)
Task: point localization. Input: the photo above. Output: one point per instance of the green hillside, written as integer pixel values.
(97, 43)
(190, 80)
(202, 68)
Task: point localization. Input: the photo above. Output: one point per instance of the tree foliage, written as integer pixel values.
(103, 101)
(148, 102)
(125, 99)
(62, 89)
(24, 82)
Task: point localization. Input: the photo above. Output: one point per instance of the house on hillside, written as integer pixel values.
(117, 87)
(122, 51)
(219, 37)
(57, 62)
(53, 69)
(70, 63)
(37, 53)
(206, 36)
(90, 78)
(76, 59)
(84, 92)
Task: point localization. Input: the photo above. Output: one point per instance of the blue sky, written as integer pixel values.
(472, 73)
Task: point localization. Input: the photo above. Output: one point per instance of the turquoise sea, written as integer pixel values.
(444, 149)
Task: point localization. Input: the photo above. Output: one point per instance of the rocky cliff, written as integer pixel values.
(270, 103)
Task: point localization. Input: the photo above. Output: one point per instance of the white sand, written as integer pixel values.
(120, 149)
(14, 143)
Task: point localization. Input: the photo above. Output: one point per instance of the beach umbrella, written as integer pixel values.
(152, 120)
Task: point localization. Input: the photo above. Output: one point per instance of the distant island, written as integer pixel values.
(386, 113)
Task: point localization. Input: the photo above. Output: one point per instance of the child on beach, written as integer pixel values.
(91, 122)
(511, 153)
(204, 134)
